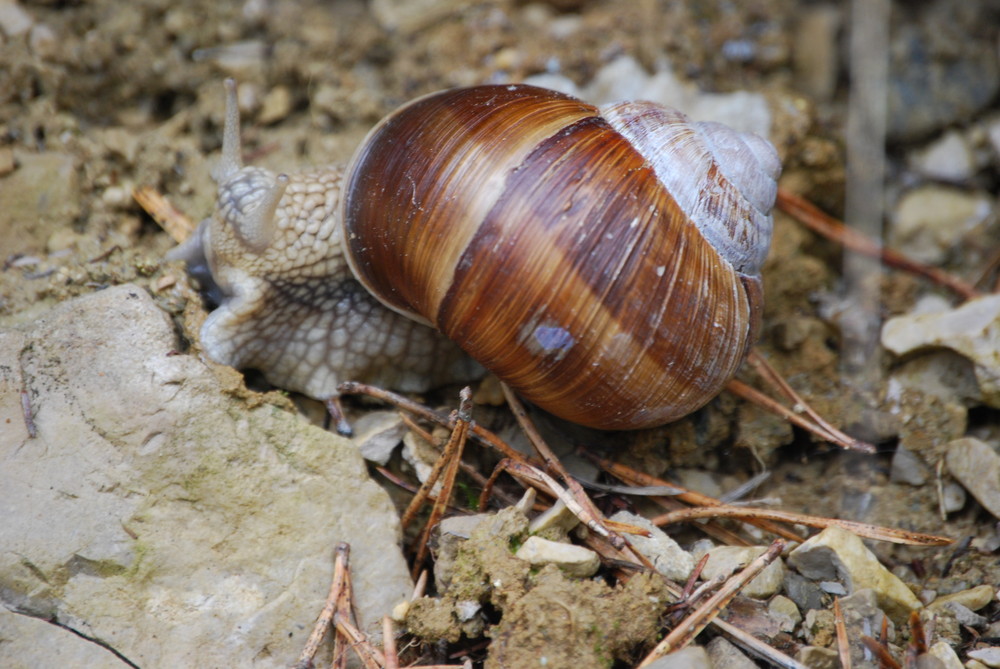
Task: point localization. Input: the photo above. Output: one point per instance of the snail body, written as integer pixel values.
(605, 263)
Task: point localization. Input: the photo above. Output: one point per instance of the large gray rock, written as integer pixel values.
(161, 517)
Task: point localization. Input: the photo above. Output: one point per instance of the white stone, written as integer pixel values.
(14, 20)
(943, 651)
(907, 468)
(948, 158)
(666, 555)
(376, 435)
(689, 657)
(988, 656)
(573, 560)
(724, 655)
(558, 517)
(972, 330)
(410, 15)
(836, 554)
(725, 560)
(930, 220)
(156, 513)
(625, 79)
(976, 466)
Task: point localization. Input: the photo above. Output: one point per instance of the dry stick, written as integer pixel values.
(704, 614)
(342, 555)
(408, 487)
(843, 647)
(629, 475)
(344, 612)
(893, 535)
(424, 492)
(468, 469)
(450, 456)
(420, 586)
(588, 515)
(173, 221)
(369, 655)
(880, 652)
(771, 376)
(757, 647)
(389, 644)
(592, 515)
(827, 226)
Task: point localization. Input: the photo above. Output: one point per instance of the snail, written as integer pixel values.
(604, 263)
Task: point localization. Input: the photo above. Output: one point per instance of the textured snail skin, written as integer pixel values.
(606, 265)
(288, 305)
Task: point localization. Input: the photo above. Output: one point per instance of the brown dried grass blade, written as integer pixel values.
(881, 653)
(802, 415)
(634, 477)
(340, 567)
(843, 646)
(890, 534)
(174, 222)
(389, 644)
(578, 498)
(446, 469)
(827, 226)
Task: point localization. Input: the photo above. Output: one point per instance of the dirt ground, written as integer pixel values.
(98, 98)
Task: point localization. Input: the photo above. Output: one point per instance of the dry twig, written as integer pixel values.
(861, 529)
(174, 222)
(843, 647)
(827, 226)
(700, 618)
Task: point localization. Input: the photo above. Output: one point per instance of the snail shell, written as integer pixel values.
(605, 263)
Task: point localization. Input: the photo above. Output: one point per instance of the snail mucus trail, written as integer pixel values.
(605, 263)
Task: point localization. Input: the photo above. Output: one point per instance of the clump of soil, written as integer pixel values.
(546, 618)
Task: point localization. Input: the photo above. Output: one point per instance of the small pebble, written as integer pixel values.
(943, 651)
(988, 656)
(666, 555)
(573, 560)
(907, 468)
(976, 466)
(953, 497)
(817, 657)
(928, 221)
(729, 559)
(948, 158)
(557, 517)
(973, 598)
(689, 657)
(43, 42)
(783, 610)
(377, 433)
(276, 106)
(724, 655)
(14, 20)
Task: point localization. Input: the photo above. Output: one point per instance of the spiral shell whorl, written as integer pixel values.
(724, 180)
